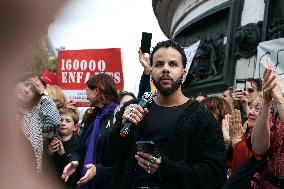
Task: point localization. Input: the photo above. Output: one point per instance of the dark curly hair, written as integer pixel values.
(257, 83)
(167, 44)
(125, 93)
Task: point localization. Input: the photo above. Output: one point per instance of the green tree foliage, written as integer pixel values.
(41, 60)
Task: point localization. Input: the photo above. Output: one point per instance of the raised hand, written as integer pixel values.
(271, 84)
(145, 62)
(226, 130)
(236, 129)
(268, 84)
(37, 84)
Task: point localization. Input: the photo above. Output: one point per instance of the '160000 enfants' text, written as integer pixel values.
(75, 71)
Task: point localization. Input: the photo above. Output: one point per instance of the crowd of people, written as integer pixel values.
(173, 142)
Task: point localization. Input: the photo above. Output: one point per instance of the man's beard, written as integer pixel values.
(169, 90)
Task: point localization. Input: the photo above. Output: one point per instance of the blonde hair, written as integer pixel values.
(73, 112)
(57, 95)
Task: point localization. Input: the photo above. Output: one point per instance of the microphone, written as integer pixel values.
(146, 99)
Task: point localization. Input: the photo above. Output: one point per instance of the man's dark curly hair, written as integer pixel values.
(167, 44)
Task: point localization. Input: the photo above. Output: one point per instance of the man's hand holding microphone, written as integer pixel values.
(132, 115)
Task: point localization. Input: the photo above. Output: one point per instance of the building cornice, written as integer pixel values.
(164, 11)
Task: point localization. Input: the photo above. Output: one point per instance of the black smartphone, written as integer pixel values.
(240, 84)
(240, 90)
(146, 42)
(147, 147)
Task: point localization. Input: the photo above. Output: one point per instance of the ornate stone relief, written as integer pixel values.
(209, 59)
(275, 29)
(247, 39)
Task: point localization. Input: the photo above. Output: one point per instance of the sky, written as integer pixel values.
(96, 24)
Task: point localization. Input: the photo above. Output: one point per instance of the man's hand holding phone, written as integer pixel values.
(146, 42)
(145, 48)
(147, 156)
(145, 62)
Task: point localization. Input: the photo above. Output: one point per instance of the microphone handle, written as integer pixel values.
(126, 129)
(128, 125)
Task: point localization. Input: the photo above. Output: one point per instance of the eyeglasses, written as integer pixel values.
(250, 90)
(256, 108)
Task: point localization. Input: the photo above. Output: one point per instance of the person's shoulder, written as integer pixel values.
(74, 138)
(198, 111)
(196, 107)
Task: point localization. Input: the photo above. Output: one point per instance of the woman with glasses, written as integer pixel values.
(267, 135)
(253, 89)
(240, 133)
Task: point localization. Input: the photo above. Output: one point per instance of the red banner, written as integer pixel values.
(49, 78)
(75, 67)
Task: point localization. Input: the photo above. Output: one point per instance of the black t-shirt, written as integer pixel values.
(156, 126)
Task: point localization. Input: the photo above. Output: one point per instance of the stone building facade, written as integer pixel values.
(229, 30)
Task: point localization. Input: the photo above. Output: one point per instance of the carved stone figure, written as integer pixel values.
(209, 58)
(275, 29)
(247, 39)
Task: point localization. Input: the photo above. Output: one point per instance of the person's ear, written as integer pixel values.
(96, 92)
(75, 128)
(184, 72)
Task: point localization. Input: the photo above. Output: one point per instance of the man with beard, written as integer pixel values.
(190, 150)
